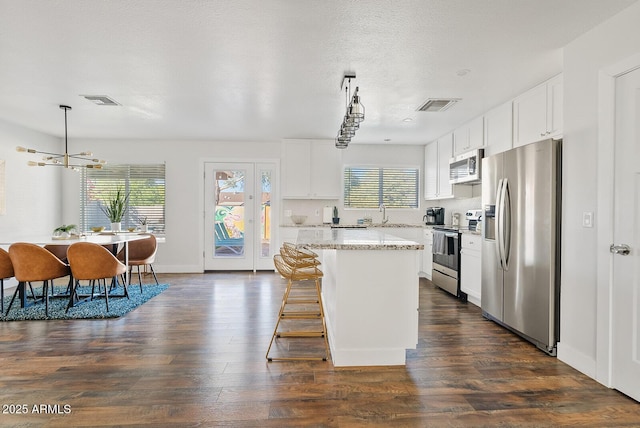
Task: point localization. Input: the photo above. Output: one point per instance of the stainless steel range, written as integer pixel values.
(446, 260)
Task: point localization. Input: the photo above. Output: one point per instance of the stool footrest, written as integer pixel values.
(301, 315)
(300, 334)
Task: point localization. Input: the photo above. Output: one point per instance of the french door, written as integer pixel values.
(238, 213)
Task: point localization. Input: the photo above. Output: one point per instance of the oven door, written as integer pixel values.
(446, 260)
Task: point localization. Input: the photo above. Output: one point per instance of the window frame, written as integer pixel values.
(381, 195)
(125, 174)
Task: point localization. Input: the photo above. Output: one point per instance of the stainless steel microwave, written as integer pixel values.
(465, 168)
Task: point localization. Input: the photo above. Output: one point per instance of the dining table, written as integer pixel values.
(110, 240)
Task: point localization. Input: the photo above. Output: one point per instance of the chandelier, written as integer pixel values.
(353, 116)
(65, 159)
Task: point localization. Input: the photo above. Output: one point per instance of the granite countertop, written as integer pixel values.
(356, 226)
(353, 239)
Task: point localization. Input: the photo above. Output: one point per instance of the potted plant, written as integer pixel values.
(65, 231)
(336, 219)
(144, 225)
(115, 209)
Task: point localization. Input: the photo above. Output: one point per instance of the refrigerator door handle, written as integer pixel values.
(499, 221)
(506, 233)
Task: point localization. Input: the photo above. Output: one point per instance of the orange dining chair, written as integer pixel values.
(142, 252)
(6, 271)
(93, 262)
(60, 251)
(33, 263)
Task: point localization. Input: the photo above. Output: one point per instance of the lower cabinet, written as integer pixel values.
(427, 254)
(471, 267)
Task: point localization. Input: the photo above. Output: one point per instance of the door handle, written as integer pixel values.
(622, 249)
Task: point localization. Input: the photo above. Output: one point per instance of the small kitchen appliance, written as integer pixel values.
(465, 168)
(327, 215)
(455, 220)
(473, 217)
(434, 216)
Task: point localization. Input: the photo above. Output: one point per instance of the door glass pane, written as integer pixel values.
(265, 214)
(229, 214)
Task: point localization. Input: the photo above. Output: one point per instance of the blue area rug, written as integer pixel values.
(94, 309)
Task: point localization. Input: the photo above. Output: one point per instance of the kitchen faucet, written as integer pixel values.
(383, 210)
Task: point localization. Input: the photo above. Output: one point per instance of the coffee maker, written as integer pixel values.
(473, 217)
(434, 216)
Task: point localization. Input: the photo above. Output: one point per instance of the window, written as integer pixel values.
(145, 185)
(368, 187)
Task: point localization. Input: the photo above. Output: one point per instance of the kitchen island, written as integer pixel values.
(369, 292)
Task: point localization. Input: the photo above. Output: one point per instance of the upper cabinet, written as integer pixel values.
(537, 114)
(436, 171)
(469, 136)
(311, 169)
(498, 129)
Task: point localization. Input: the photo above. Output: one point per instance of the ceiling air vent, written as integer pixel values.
(437, 104)
(101, 100)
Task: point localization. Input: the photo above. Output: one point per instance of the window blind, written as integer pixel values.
(369, 187)
(145, 185)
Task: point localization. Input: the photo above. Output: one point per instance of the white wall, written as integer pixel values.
(182, 251)
(33, 206)
(603, 46)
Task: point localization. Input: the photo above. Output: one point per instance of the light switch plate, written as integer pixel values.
(587, 219)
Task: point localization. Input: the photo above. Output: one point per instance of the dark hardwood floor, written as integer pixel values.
(194, 356)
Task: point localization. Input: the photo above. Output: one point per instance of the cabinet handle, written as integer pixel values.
(543, 134)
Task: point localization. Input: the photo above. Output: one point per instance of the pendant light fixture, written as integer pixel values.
(65, 159)
(353, 116)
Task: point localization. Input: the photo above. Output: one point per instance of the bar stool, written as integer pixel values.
(299, 303)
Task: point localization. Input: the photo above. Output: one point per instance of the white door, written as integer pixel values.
(626, 245)
(238, 214)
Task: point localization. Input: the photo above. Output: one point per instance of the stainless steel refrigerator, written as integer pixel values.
(521, 191)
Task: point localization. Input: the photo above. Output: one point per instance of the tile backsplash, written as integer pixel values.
(313, 210)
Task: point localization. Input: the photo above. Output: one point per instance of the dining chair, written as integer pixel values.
(60, 251)
(33, 263)
(6, 271)
(89, 261)
(142, 252)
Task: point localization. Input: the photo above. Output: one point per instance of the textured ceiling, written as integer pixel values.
(256, 70)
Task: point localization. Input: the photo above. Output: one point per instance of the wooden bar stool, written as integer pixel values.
(300, 302)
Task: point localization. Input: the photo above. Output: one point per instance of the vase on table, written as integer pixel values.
(116, 227)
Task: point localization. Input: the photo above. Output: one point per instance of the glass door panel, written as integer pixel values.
(239, 207)
(230, 213)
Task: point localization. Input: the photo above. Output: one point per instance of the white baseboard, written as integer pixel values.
(177, 268)
(578, 360)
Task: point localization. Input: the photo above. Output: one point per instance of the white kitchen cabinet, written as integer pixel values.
(445, 152)
(471, 267)
(469, 136)
(311, 169)
(537, 114)
(498, 129)
(427, 255)
(431, 170)
(436, 171)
